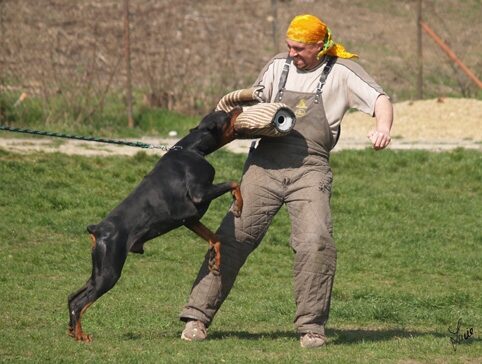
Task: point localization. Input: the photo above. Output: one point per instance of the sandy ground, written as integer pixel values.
(436, 125)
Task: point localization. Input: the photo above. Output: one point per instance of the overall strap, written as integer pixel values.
(328, 66)
(319, 89)
(283, 77)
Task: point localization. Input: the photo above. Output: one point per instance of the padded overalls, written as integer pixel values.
(291, 170)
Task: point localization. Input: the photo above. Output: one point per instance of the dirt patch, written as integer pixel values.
(438, 119)
(436, 125)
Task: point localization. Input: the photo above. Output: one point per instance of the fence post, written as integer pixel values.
(128, 65)
(275, 25)
(420, 49)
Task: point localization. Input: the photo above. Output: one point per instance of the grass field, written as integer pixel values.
(408, 233)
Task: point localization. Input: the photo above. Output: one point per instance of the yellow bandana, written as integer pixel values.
(308, 29)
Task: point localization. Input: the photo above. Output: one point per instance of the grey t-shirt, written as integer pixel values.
(348, 86)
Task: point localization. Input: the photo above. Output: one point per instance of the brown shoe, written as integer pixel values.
(194, 331)
(312, 340)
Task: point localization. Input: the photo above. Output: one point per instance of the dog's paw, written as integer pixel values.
(84, 338)
(236, 210)
(213, 267)
(237, 207)
(215, 270)
(79, 337)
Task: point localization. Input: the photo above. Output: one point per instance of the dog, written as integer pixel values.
(178, 191)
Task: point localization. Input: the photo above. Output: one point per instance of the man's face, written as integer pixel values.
(304, 55)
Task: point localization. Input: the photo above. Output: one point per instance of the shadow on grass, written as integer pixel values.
(244, 335)
(343, 336)
(335, 337)
(355, 336)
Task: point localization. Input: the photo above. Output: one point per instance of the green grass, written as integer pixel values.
(110, 121)
(407, 229)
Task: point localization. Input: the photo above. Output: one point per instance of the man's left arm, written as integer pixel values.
(380, 137)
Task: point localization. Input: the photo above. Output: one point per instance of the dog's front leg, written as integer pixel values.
(202, 194)
(214, 242)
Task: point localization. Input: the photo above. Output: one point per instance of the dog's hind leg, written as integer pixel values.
(106, 271)
(214, 242)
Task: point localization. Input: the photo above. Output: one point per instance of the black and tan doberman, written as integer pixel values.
(177, 192)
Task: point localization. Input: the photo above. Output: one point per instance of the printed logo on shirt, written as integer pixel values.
(301, 108)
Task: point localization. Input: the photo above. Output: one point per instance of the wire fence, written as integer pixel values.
(185, 54)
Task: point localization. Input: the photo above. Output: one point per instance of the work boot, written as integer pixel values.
(194, 331)
(312, 340)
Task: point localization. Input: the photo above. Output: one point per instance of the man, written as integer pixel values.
(319, 82)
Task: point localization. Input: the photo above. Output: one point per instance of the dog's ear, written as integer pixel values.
(213, 121)
(206, 126)
(234, 113)
(211, 126)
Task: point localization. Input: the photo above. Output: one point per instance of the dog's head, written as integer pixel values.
(220, 124)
